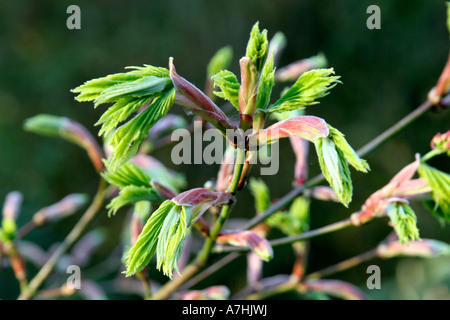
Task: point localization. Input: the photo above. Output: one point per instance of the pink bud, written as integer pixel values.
(255, 242)
(211, 293)
(441, 141)
(307, 127)
(11, 207)
(335, 288)
(324, 193)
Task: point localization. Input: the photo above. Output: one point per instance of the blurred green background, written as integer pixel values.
(385, 73)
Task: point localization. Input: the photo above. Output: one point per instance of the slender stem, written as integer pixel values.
(431, 154)
(203, 256)
(279, 289)
(366, 149)
(340, 225)
(344, 265)
(211, 269)
(73, 236)
(396, 128)
(145, 283)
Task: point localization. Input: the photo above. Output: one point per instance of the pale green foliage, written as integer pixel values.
(140, 254)
(293, 221)
(171, 239)
(229, 87)
(349, 154)
(128, 174)
(261, 193)
(127, 138)
(334, 154)
(440, 184)
(404, 221)
(166, 177)
(220, 61)
(130, 195)
(265, 85)
(163, 234)
(311, 85)
(257, 47)
(134, 186)
(129, 92)
(335, 169)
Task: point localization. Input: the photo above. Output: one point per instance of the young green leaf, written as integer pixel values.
(159, 172)
(335, 169)
(229, 87)
(440, 184)
(403, 220)
(126, 175)
(349, 154)
(312, 85)
(140, 254)
(265, 85)
(127, 138)
(171, 239)
(257, 47)
(130, 195)
(220, 61)
(261, 193)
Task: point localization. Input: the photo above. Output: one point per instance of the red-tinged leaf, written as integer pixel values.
(335, 288)
(307, 127)
(324, 193)
(405, 174)
(426, 248)
(250, 239)
(200, 103)
(198, 196)
(301, 149)
(413, 188)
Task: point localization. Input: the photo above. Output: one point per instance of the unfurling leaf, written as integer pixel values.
(335, 169)
(257, 47)
(126, 175)
(229, 86)
(130, 195)
(307, 127)
(144, 249)
(250, 239)
(347, 151)
(220, 61)
(440, 184)
(144, 86)
(261, 193)
(159, 172)
(265, 85)
(334, 155)
(171, 239)
(127, 138)
(312, 85)
(403, 220)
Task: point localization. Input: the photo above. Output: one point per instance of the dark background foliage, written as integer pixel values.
(385, 73)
